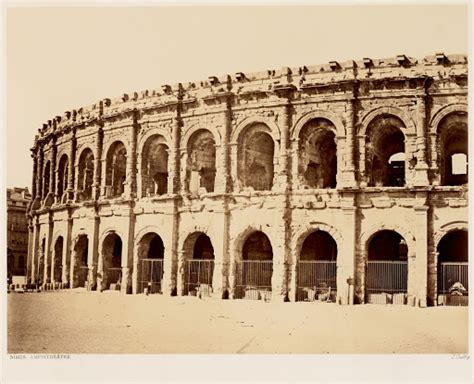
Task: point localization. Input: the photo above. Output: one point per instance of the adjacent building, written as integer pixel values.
(18, 200)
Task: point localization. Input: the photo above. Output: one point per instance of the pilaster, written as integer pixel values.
(71, 174)
(421, 168)
(346, 256)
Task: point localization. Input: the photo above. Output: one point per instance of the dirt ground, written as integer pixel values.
(75, 321)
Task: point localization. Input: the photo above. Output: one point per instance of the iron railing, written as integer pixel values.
(198, 277)
(253, 279)
(450, 274)
(316, 280)
(386, 276)
(151, 275)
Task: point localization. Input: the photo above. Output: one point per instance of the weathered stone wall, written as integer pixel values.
(307, 114)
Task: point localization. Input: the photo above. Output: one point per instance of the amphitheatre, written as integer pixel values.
(344, 182)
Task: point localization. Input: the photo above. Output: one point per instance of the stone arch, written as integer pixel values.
(245, 123)
(239, 241)
(57, 234)
(449, 227)
(189, 243)
(108, 231)
(149, 254)
(316, 151)
(256, 157)
(152, 131)
(302, 234)
(153, 166)
(188, 133)
(59, 248)
(79, 249)
(46, 178)
(108, 273)
(117, 157)
(339, 130)
(443, 112)
(189, 231)
(450, 145)
(144, 231)
(386, 150)
(200, 161)
(408, 130)
(85, 177)
(368, 234)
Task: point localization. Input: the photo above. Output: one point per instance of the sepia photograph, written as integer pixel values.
(189, 183)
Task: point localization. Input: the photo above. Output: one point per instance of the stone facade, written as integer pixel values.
(18, 200)
(350, 149)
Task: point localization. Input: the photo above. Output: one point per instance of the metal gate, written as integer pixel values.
(151, 275)
(388, 278)
(198, 277)
(316, 281)
(453, 283)
(254, 279)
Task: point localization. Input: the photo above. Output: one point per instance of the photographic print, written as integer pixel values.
(246, 179)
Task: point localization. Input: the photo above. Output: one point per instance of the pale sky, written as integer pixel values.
(60, 59)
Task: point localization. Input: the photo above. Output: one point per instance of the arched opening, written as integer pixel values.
(255, 158)
(151, 251)
(58, 258)
(81, 258)
(201, 164)
(254, 270)
(46, 178)
(453, 282)
(316, 277)
(154, 167)
(116, 164)
(317, 160)
(63, 168)
(387, 268)
(112, 261)
(199, 265)
(453, 148)
(40, 271)
(86, 174)
(385, 152)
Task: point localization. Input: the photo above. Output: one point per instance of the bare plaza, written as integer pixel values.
(158, 324)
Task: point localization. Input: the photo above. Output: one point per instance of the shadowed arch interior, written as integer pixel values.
(116, 169)
(63, 171)
(319, 245)
(453, 149)
(86, 174)
(154, 168)
(453, 247)
(255, 158)
(151, 253)
(112, 260)
(58, 256)
(257, 246)
(387, 245)
(199, 264)
(317, 160)
(81, 256)
(46, 178)
(453, 269)
(385, 138)
(201, 164)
